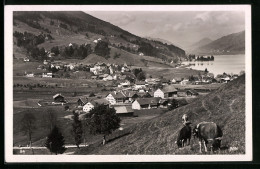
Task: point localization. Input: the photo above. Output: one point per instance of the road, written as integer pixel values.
(35, 148)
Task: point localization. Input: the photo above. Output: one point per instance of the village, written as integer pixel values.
(130, 89)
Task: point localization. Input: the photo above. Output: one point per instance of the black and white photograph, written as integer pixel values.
(128, 83)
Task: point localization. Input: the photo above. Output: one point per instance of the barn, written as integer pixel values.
(145, 103)
(124, 111)
(58, 98)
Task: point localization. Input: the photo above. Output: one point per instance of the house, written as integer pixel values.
(178, 80)
(29, 74)
(82, 101)
(58, 98)
(124, 111)
(192, 93)
(48, 75)
(131, 95)
(124, 84)
(166, 92)
(164, 81)
(26, 59)
(145, 103)
(184, 82)
(108, 77)
(139, 84)
(150, 81)
(144, 94)
(95, 41)
(90, 105)
(116, 97)
(141, 54)
(70, 44)
(45, 62)
(181, 93)
(164, 103)
(51, 55)
(159, 93)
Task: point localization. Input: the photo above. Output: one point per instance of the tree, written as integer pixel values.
(102, 49)
(55, 141)
(77, 129)
(141, 76)
(50, 119)
(55, 50)
(103, 120)
(173, 104)
(206, 70)
(28, 125)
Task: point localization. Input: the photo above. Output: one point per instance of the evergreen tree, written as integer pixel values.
(55, 141)
(28, 125)
(77, 129)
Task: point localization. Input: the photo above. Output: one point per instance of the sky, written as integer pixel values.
(182, 28)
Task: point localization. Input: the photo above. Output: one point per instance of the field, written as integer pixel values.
(169, 73)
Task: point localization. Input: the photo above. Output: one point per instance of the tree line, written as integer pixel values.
(100, 120)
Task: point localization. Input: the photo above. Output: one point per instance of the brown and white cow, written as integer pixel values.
(208, 132)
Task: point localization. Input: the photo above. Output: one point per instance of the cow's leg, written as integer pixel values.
(182, 143)
(205, 146)
(200, 146)
(188, 141)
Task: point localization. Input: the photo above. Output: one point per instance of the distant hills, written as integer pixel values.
(225, 106)
(81, 28)
(229, 44)
(199, 43)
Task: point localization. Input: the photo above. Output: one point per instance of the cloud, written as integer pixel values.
(124, 19)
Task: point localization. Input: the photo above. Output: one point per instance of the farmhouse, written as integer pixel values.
(82, 101)
(166, 92)
(30, 75)
(192, 93)
(145, 103)
(131, 95)
(90, 105)
(108, 77)
(139, 84)
(47, 75)
(182, 93)
(165, 81)
(116, 97)
(58, 98)
(26, 59)
(124, 111)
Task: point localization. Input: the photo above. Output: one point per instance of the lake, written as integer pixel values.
(222, 63)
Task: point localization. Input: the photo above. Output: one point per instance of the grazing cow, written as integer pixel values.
(208, 131)
(184, 136)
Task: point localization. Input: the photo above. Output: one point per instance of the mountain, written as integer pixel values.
(230, 44)
(162, 40)
(225, 106)
(199, 43)
(79, 28)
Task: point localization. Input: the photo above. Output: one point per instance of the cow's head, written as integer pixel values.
(179, 143)
(195, 132)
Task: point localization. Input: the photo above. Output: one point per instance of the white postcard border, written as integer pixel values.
(8, 63)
